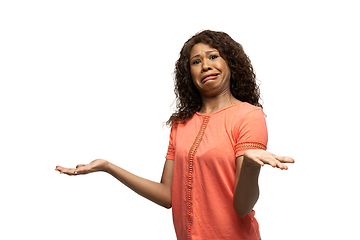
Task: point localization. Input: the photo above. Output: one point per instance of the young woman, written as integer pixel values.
(217, 144)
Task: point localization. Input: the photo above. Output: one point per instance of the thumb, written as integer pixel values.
(285, 159)
(81, 169)
(80, 165)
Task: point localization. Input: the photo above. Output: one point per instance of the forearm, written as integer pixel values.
(246, 192)
(159, 193)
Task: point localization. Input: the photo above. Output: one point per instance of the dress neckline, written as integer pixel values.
(220, 110)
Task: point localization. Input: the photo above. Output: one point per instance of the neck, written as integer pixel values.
(212, 104)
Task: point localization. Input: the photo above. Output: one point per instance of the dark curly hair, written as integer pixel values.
(243, 84)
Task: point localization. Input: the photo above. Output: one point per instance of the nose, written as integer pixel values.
(205, 66)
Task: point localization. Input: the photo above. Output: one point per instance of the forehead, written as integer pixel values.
(201, 48)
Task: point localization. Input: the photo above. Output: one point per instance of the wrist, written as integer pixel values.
(107, 167)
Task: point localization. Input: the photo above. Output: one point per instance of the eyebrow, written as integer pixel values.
(197, 55)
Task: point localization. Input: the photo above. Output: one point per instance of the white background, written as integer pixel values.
(82, 80)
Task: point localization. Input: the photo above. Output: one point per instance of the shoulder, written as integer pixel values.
(245, 109)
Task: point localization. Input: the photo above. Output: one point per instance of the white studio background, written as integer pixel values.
(82, 80)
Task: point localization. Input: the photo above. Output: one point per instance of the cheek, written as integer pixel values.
(193, 73)
(227, 71)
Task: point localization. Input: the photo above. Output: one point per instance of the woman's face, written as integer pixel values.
(209, 71)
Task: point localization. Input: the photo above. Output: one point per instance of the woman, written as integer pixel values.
(217, 144)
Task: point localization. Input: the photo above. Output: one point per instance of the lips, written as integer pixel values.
(209, 77)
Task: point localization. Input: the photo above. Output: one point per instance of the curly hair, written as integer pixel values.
(243, 84)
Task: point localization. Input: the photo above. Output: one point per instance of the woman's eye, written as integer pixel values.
(213, 56)
(196, 62)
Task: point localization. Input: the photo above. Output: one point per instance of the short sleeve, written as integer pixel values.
(251, 132)
(171, 148)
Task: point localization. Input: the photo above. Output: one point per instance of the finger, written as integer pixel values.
(258, 161)
(277, 162)
(273, 163)
(61, 169)
(58, 168)
(68, 171)
(285, 159)
(282, 166)
(79, 170)
(271, 160)
(82, 170)
(80, 165)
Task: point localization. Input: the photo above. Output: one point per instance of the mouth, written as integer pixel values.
(209, 77)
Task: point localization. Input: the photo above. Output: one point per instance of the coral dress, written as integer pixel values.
(204, 151)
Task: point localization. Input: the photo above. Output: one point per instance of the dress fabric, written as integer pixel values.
(204, 151)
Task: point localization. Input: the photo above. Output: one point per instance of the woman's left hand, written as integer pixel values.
(263, 157)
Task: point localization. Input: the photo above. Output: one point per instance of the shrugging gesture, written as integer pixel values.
(95, 166)
(160, 193)
(262, 157)
(218, 110)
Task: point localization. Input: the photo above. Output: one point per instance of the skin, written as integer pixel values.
(215, 93)
(159, 193)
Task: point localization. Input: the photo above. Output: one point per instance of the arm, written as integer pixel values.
(246, 192)
(159, 193)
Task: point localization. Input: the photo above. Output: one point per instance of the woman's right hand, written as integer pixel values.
(95, 166)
